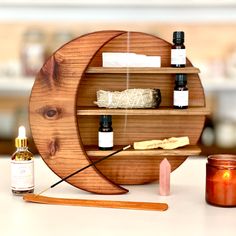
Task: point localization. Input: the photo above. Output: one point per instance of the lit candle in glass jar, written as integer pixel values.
(221, 180)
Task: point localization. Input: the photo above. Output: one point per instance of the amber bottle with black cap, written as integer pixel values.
(105, 133)
(181, 93)
(178, 51)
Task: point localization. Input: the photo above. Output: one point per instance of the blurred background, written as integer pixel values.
(30, 30)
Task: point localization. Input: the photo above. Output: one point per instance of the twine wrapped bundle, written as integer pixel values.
(129, 98)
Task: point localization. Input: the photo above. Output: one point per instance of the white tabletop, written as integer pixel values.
(188, 213)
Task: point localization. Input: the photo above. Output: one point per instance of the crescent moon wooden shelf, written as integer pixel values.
(64, 120)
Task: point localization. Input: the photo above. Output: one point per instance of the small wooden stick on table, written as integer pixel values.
(148, 206)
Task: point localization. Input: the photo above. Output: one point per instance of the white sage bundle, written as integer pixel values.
(129, 98)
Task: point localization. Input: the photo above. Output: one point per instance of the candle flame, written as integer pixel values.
(226, 175)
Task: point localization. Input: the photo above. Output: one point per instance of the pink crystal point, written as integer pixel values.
(164, 177)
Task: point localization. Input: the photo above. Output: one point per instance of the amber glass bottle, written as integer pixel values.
(105, 133)
(22, 166)
(178, 51)
(181, 92)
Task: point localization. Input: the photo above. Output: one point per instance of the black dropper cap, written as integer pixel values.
(105, 120)
(181, 79)
(178, 37)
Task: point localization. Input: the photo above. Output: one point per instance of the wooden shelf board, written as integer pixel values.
(152, 111)
(190, 150)
(141, 70)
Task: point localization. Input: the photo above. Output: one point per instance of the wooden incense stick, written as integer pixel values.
(148, 206)
(83, 168)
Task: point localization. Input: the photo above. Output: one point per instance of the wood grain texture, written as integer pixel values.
(53, 114)
(147, 206)
(130, 170)
(138, 166)
(144, 44)
(140, 43)
(129, 129)
(140, 70)
(64, 83)
(163, 111)
(91, 83)
(186, 151)
(139, 124)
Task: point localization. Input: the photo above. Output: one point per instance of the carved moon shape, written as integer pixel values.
(53, 113)
(65, 136)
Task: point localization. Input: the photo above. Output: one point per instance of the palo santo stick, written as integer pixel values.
(170, 143)
(148, 206)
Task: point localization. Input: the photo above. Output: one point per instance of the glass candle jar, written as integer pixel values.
(221, 180)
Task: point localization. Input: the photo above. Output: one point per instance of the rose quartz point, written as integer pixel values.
(164, 177)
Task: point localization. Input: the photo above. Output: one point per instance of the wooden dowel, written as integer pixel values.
(148, 206)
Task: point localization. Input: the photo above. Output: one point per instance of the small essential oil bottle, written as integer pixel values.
(181, 92)
(178, 51)
(105, 134)
(22, 166)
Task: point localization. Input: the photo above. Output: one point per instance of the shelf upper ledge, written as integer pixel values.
(190, 150)
(142, 70)
(162, 111)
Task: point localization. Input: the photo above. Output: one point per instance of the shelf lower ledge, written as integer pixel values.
(152, 111)
(142, 70)
(190, 150)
